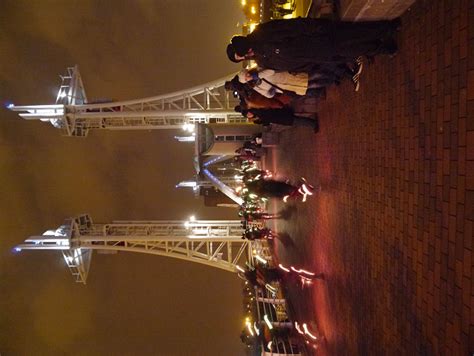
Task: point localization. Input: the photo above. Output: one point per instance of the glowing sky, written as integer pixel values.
(132, 304)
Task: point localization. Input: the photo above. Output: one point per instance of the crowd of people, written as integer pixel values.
(264, 285)
(302, 57)
(294, 58)
(258, 186)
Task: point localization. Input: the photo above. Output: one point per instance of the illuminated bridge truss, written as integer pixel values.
(211, 242)
(207, 103)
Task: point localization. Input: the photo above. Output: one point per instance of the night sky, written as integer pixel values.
(133, 303)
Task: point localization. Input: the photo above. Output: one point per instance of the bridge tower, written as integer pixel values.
(199, 111)
(216, 243)
(75, 116)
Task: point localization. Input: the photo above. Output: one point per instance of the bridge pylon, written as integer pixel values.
(75, 116)
(215, 243)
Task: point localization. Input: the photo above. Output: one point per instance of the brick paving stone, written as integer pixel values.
(392, 227)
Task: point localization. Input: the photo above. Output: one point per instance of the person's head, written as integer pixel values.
(233, 84)
(241, 45)
(236, 85)
(245, 76)
(228, 85)
(232, 55)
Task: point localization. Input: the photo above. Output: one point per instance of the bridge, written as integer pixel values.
(215, 243)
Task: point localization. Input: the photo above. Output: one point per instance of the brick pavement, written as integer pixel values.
(392, 227)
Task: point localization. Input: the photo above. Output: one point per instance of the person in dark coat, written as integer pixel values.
(257, 215)
(255, 233)
(283, 116)
(297, 45)
(271, 188)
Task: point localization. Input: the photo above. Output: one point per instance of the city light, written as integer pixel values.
(203, 236)
(187, 224)
(243, 2)
(269, 324)
(303, 194)
(17, 249)
(302, 271)
(188, 127)
(297, 327)
(305, 188)
(240, 269)
(252, 10)
(261, 259)
(48, 111)
(305, 280)
(256, 329)
(270, 288)
(249, 327)
(283, 268)
(305, 327)
(60, 231)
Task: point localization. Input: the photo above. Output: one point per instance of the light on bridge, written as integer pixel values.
(270, 326)
(261, 259)
(188, 127)
(256, 328)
